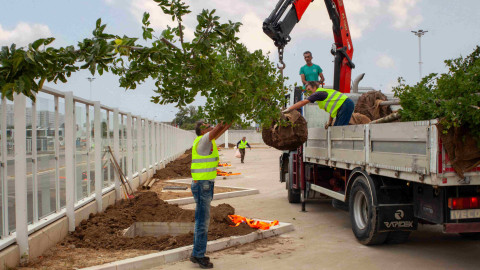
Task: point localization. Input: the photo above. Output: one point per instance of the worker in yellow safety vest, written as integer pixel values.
(204, 171)
(241, 145)
(337, 104)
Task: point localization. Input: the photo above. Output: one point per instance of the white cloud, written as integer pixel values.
(251, 34)
(23, 34)
(385, 61)
(405, 13)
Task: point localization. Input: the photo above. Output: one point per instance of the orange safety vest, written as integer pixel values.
(262, 225)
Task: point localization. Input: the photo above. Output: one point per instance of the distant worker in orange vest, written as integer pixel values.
(241, 145)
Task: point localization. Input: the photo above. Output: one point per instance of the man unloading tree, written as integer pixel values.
(337, 104)
(204, 171)
(241, 145)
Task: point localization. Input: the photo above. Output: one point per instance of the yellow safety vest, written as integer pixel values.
(333, 101)
(243, 145)
(204, 167)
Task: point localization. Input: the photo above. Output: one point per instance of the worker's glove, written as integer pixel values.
(286, 111)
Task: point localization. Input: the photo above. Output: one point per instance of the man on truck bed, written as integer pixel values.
(337, 104)
(310, 72)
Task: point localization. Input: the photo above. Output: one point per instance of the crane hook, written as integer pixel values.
(280, 59)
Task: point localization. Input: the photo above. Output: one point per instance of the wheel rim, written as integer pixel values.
(360, 210)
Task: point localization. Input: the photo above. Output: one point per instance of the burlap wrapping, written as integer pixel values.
(287, 137)
(368, 104)
(359, 119)
(462, 149)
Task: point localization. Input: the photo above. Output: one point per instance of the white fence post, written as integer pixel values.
(69, 161)
(98, 155)
(57, 155)
(147, 148)
(129, 147)
(35, 165)
(159, 146)
(20, 139)
(139, 146)
(162, 144)
(116, 151)
(4, 170)
(153, 140)
(89, 148)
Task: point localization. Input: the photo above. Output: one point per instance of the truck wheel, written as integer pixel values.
(293, 194)
(340, 205)
(363, 215)
(398, 237)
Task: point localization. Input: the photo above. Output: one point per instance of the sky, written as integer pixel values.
(384, 47)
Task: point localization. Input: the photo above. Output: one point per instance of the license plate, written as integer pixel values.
(465, 214)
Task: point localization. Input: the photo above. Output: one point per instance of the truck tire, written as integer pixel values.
(293, 194)
(363, 215)
(340, 205)
(398, 237)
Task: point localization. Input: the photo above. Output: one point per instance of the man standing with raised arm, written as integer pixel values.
(204, 171)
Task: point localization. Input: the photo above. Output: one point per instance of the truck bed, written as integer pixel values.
(410, 151)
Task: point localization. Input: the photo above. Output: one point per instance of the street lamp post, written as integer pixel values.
(419, 34)
(91, 79)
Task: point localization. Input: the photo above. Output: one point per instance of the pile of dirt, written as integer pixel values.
(179, 168)
(369, 105)
(461, 147)
(288, 137)
(103, 231)
(230, 145)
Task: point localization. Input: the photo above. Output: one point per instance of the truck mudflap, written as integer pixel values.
(461, 227)
(396, 217)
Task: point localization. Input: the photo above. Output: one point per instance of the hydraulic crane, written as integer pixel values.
(278, 27)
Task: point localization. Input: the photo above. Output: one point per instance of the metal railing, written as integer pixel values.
(53, 160)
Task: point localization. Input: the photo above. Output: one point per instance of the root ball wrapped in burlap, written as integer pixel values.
(369, 105)
(288, 137)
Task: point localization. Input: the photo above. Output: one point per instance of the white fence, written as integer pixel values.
(53, 161)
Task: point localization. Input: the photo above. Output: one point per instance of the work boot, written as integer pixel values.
(204, 262)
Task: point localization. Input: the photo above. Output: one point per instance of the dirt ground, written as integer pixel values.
(180, 168)
(101, 233)
(231, 145)
(99, 239)
(168, 195)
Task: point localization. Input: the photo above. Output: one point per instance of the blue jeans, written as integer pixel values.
(202, 193)
(344, 113)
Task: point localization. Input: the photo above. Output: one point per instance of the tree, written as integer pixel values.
(454, 97)
(239, 86)
(186, 117)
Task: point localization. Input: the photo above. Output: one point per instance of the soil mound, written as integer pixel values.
(103, 231)
(288, 137)
(230, 145)
(368, 104)
(179, 168)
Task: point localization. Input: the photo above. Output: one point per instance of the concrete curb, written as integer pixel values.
(178, 254)
(218, 196)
